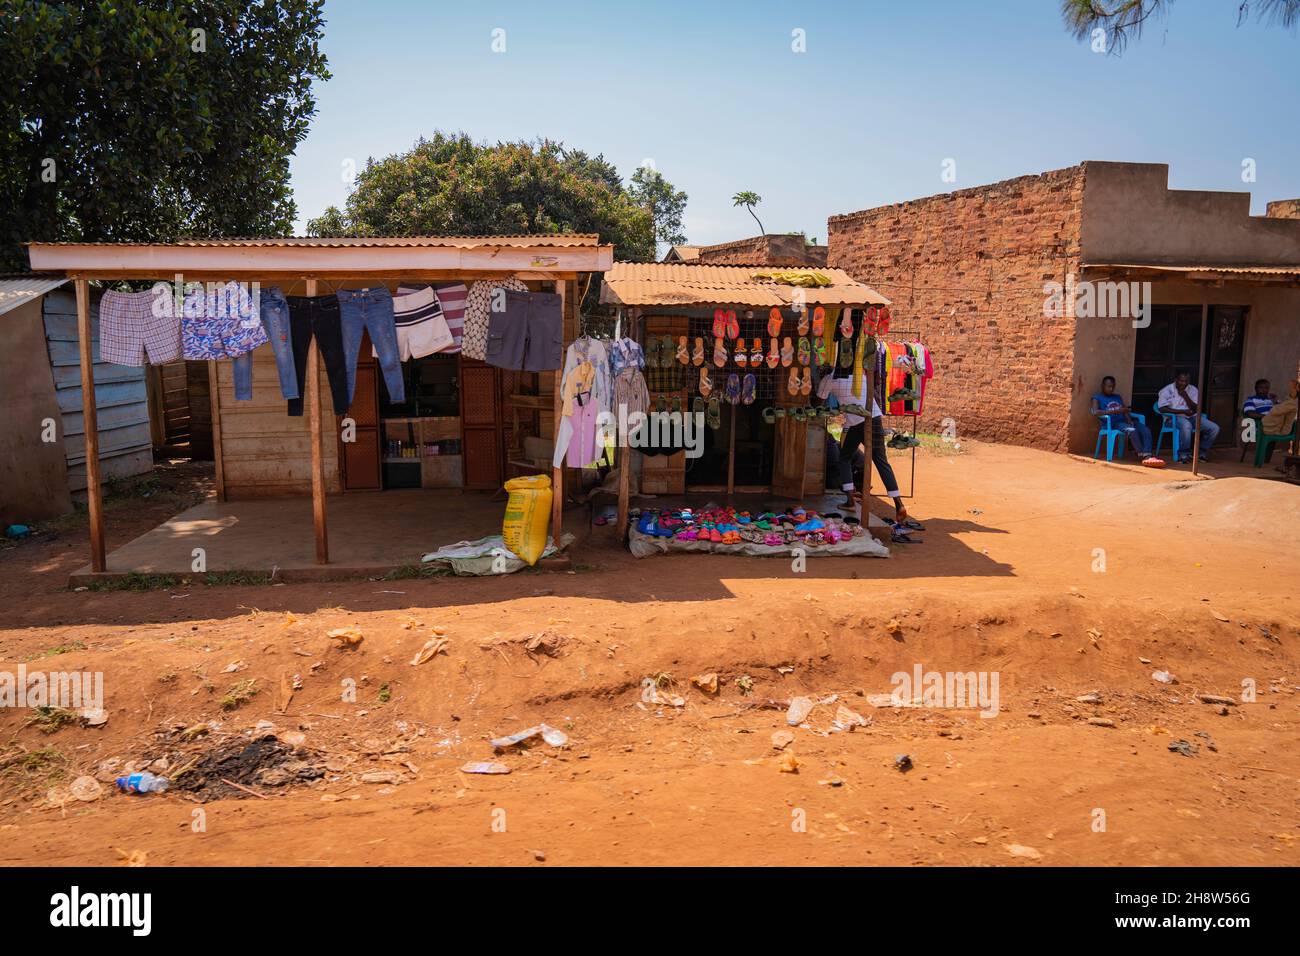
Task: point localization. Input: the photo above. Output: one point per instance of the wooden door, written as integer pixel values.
(359, 460)
(480, 418)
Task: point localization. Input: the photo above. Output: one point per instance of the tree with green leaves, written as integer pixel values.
(749, 200)
(652, 192)
(448, 184)
(152, 120)
(1121, 20)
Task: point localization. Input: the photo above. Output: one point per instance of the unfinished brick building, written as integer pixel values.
(969, 272)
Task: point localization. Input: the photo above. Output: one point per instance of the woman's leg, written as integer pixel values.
(880, 458)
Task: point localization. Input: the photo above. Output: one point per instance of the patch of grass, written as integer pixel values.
(385, 693)
(240, 693)
(409, 571)
(50, 720)
(220, 578)
(134, 581)
(167, 677)
(29, 765)
(59, 649)
(746, 684)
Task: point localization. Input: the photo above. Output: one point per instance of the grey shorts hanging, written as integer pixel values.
(527, 334)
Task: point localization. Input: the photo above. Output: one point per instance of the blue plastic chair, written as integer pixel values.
(1110, 433)
(1167, 427)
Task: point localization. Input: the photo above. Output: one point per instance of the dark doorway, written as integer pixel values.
(1173, 341)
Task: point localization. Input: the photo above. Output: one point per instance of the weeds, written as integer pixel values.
(49, 720)
(240, 693)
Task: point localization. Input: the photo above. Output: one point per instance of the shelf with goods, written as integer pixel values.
(432, 444)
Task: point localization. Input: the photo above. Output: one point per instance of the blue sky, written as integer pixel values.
(712, 93)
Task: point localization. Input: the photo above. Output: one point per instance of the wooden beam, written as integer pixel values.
(315, 423)
(214, 401)
(557, 474)
(90, 418)
(869, 390)
(1200, 386)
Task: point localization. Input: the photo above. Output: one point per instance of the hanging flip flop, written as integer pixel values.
(819, 350)
(805, 353)
(787, 352)
(773, 355)
(792, 384)
(719, 353)
(846, 324)
(661, 403)
(806, 387)
(698, 357)
(652, 351)
(714, 414)
(819, 322)
(756, 356)
(882, 323)
(802, 327)
(748, 389)
(769, 415)
(698, 407)
(846, 353)
(706, 383)
(774, 322)
(719, 323)
(683, 355)
(732, 391)
(733, 325)
(742, 357)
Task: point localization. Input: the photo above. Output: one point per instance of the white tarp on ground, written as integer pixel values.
(863, 546)
(487, 555)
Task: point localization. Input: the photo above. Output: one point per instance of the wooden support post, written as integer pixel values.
(90, 427)
(315, 424)
(869, 390)
(214, 403)
(1200, 385)
(731, 452)
(557, 474)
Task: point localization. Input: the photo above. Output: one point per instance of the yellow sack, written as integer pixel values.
(528, 516)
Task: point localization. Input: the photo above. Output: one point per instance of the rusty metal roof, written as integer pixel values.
(517, 240)
(682, 284)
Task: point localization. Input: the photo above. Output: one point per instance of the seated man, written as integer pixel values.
(1259, 404)
(1180, 398)
(1281, 416)
(1106, 402)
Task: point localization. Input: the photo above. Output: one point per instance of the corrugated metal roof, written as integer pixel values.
(14, 292)
(1208, 267)
(559, 240)
(660, 283)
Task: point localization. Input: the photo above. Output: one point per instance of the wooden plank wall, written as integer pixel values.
(121, 397)
(264, 452)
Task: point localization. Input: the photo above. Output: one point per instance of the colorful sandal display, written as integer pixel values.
(774, 322)
(805, 353)
(756, 354)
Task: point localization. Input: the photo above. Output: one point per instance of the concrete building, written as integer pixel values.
(1030, 290)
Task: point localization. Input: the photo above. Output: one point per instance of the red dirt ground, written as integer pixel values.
(1199, 579)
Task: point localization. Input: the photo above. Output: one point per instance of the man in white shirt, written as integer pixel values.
(853, 437)
(1181, 399)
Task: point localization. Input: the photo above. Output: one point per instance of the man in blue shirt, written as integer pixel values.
(1106, 402)
(1261, 403)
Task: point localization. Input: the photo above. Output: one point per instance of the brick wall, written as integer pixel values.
(771, 250)
(965, 270)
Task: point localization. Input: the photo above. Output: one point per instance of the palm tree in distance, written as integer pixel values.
(749, 200)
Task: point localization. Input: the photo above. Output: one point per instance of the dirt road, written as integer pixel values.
(1061, 578)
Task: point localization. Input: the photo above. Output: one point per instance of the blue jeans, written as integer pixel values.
(275, 320)
(1139, 435)
(371, 310)
(1186, 430)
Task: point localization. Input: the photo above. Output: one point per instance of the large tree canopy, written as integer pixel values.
(150, 119)
(449, 185)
